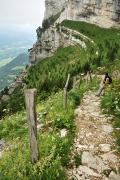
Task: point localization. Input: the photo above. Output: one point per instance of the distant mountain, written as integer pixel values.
(10, 70)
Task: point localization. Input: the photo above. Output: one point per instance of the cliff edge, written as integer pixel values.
(105, 13)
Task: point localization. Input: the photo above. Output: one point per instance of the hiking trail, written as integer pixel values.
(95, 142)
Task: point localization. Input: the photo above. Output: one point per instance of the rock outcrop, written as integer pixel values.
(52, 7)
(46, 44)
(52, 39)
(105, 13)
(95, 11)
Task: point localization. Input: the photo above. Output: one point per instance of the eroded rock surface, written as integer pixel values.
(102, 12)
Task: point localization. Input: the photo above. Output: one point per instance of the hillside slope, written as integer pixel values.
(48, 77)
(50, 74)
(12, 69)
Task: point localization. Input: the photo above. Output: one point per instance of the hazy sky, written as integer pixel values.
(22, 12)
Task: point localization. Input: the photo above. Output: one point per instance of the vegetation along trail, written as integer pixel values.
(94, 145)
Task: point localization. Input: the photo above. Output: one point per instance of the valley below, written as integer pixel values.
(13, 57)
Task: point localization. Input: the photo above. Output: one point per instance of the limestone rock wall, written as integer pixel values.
(52, 7)
(102, 12)
(47, 43)
(105, 13)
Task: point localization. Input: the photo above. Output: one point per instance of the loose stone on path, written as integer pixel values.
(95, 143)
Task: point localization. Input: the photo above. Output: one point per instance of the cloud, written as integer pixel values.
(29, 12)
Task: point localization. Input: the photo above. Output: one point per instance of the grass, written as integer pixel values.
(111, 101)
(54, 150)
(108, 47)
(94, 32)
(107, 40)
(78, 159)
(50, 75)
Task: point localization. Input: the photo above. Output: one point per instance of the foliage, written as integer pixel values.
(111, 105)
(78, 159)
(107, 55)
(47, 23)
(111, 102)
(50, 75)
(74, 95)
(13, 126)
(107, 40)
(10, 106)
(93, 31)
(54, 149)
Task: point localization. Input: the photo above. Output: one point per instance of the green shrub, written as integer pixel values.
(54, 150)
(75, 97)
(107, 47)
(78, 159)
(111, 101)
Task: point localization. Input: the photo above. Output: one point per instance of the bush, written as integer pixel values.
(75, 97)
(78, 159)
(54, 150)
(111, 104)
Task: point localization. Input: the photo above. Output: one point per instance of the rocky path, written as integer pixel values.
(95, 143)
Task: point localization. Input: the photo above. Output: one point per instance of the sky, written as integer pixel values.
(24, 14)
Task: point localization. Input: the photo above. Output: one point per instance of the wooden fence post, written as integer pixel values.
(80, 80)
(30, 100)
(65, 93)
(74, 82)
(88, 77)
(90, 74)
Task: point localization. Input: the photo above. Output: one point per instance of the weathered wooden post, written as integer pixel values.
(74, 82)
(80, 80)
(30, 99)
(90, 74)
(65, 93)
(88, 77)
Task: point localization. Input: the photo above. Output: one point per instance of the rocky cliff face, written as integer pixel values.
(52, 7)
(96, 11)
(105, 13)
